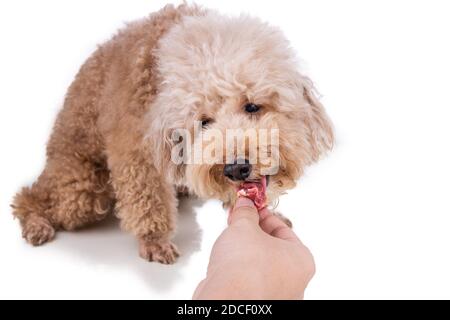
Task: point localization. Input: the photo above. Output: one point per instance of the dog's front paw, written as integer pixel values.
(162, 251)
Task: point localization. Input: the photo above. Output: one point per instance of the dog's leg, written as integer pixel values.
(146, 205)
(69, 194)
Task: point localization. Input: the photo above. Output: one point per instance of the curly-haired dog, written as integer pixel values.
(111, 144)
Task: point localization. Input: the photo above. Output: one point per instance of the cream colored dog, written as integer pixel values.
(112, 144)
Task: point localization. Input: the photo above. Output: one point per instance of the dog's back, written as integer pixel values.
(101, 117)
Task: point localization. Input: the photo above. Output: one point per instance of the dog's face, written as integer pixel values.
(234, 80)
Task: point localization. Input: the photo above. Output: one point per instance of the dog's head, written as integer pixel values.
(232, 107)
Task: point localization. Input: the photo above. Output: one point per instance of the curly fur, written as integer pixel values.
(110, 145)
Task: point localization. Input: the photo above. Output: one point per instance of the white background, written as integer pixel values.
(375, 212)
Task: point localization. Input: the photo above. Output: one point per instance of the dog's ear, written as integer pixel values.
(160, 144)
(319, 127)
(168, 140)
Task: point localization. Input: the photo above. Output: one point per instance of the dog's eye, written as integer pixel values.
(206, 122)
(251, 108)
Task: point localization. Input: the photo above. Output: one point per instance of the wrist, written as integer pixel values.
(231, 284)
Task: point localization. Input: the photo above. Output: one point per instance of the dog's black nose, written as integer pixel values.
(237, 171)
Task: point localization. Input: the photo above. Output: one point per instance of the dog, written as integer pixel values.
(112, 144)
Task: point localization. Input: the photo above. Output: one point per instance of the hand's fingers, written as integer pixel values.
(230, 211)
(243, 209)
(276, 227)
(264, 213)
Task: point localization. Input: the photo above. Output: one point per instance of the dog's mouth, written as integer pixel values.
(263, 180)
(255, 190)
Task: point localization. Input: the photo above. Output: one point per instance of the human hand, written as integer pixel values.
(256, 257)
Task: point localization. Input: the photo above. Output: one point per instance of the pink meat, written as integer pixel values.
(255, 191)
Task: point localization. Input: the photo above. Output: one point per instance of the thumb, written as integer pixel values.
(243, 209)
